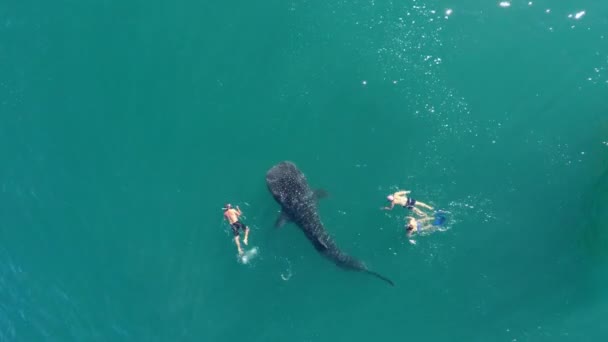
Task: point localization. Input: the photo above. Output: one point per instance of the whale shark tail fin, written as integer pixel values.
(380, 276)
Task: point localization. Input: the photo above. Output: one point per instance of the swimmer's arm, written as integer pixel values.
(388, 208)
(238, 211)
(401, 193)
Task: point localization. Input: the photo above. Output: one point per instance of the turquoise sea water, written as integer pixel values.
(125, 126)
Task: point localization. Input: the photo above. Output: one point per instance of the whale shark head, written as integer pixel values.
(287, 183)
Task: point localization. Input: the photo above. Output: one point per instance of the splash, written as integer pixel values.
(287, 274)
(248, 255)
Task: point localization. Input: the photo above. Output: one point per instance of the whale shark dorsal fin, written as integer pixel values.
(281, 220)
(320, 240)
(320, 193)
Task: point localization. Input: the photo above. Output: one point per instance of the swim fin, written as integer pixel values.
(439, 221)
(440, 218)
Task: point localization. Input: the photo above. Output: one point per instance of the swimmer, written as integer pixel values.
(400, 198)
(417, 226)
(232, 216)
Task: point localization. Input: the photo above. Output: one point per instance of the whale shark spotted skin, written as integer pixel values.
(298, 201)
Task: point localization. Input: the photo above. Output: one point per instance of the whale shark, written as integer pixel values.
(298, 202)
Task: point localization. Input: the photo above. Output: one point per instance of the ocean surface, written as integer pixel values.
(125, 126)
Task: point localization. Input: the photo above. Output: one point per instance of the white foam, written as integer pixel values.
(248, 255)
(579, 15)
(287, 274)
(504, 4)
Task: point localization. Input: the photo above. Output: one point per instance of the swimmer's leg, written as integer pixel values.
(426, 219)
(424, 205)
(419, 212)
(425, 227)
(238, 244)
(246, 239)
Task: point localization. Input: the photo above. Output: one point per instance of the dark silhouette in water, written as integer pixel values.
(298, 202)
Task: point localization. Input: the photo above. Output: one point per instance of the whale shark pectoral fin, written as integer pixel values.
(322, 243)
(281, 220)
(320, 193)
